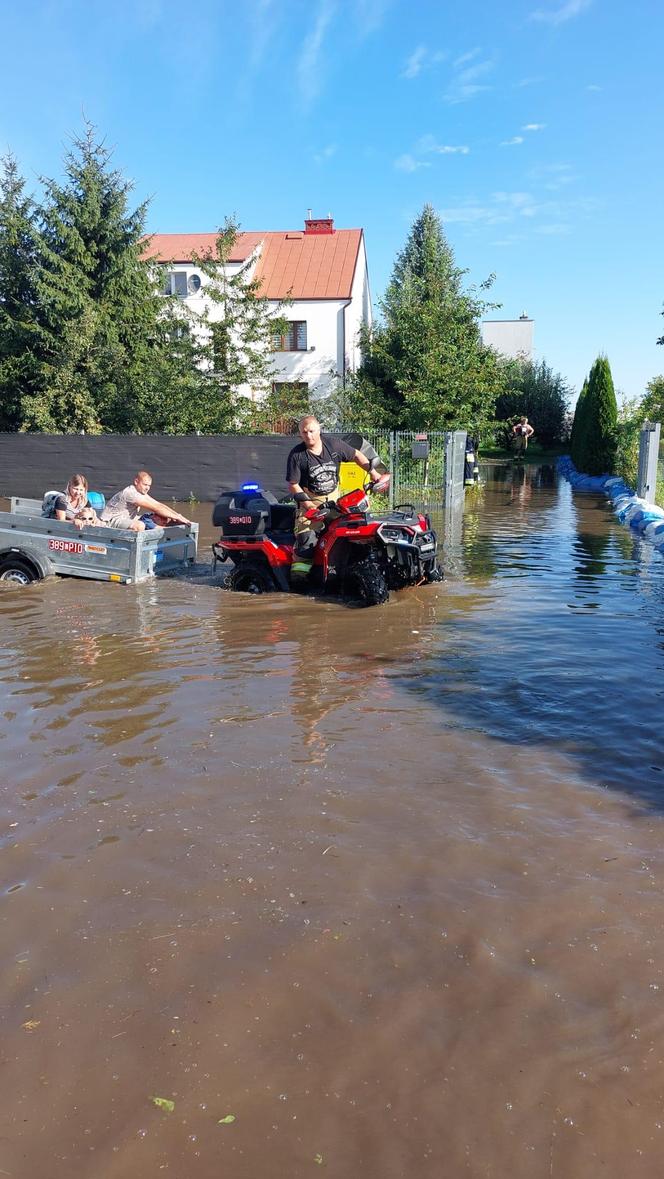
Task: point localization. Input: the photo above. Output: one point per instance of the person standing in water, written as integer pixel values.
(521, 432)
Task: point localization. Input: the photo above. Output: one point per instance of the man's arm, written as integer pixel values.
(363, 462)
(154, 505)
(301, 498)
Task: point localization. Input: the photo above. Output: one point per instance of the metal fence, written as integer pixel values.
(426, 466)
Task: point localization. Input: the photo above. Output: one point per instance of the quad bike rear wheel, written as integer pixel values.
(366, 583)
(251, 577)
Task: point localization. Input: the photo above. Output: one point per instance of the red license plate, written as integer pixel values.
(66, 546)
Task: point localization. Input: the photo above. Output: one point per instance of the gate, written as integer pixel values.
(426, 466)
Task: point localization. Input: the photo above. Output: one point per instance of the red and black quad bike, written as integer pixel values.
(357, 555)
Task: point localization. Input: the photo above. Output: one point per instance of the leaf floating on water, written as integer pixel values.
(318, 1158)
(227, 1120)
(164, 1103)
(31, 1024)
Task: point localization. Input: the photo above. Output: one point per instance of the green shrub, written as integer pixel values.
(595, 436)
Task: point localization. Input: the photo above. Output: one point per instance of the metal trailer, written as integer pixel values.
(33, 547)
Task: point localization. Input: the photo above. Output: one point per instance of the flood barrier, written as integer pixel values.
(644, 517)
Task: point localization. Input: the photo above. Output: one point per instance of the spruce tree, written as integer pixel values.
(20, 370)
(596, 446)
(427, 359)
(99, 305)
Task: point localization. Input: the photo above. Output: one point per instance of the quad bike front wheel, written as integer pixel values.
(434, 573)
(251, 578)
(366, 583)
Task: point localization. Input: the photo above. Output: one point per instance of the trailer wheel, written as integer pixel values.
(17, 571)
(251, 578)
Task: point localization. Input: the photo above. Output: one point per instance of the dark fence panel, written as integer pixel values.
(31, 464)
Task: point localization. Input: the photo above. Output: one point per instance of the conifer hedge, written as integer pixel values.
(593, 445)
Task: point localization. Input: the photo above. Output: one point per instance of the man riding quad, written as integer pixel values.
(312, 472)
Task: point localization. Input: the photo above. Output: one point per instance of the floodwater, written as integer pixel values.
(384, 886)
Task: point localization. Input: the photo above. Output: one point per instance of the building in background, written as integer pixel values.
(321, 270)
(511, 337)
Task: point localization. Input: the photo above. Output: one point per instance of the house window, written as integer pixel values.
(175, 283)
(295, 339)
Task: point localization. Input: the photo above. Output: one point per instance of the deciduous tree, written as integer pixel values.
(535, 390)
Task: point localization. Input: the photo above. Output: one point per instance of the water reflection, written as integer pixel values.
(564, 654)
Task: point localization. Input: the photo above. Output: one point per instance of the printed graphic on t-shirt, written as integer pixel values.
(322, 477)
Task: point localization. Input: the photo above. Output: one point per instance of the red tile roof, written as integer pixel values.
(179, 247)
(291, 263)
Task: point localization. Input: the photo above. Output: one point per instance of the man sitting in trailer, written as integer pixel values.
(125, 508)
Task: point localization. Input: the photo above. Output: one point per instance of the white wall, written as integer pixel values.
(332, 329)
(324, 353)
(359, 310)
(510, 337)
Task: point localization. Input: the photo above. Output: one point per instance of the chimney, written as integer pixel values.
(319, 225)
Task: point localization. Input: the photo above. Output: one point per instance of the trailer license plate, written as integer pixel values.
(66, 546)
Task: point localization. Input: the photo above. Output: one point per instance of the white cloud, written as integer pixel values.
(521, 203)
(465, 82)
(565, 12)
(555, 229)
(422, 59)
(415, 62)
(549, 217)
(309, 65)
(466, 57)
(427, 144)
(370, 14)
(553, 176)
(262, 20)
(533, 127)
(326, 153)
(408, 163)
(471, 213)
(516, 139)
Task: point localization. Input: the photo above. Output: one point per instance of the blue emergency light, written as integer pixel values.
(250, 487)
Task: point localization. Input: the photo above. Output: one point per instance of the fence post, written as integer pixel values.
(648, 459)
(455, 455)
(393, 469)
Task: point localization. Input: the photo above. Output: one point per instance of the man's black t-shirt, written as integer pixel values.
(318, 473)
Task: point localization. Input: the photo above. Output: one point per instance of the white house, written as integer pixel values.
(511, 337)
(321, 270)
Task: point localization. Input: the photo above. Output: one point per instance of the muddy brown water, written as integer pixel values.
(385, 886)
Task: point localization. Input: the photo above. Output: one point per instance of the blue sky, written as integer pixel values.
(533, 127)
